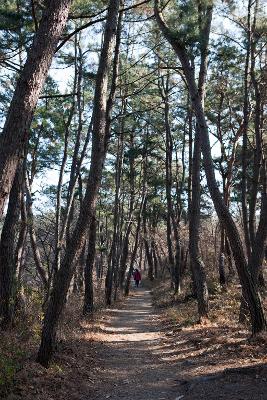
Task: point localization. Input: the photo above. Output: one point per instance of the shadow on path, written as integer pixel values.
(127, 356)
(140, 363)
(131, 369)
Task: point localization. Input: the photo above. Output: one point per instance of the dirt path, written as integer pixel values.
(140, 362)
(129, 355)
(132, 369)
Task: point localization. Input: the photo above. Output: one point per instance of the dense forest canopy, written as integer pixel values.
(133, 135)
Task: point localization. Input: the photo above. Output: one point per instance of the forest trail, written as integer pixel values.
(127, 353)
(140, 361)
(133, 369)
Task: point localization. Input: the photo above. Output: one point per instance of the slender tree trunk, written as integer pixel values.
(28, 88)
(155, 258)
(87, 212)
(194, 215)
(35, 249)
(21, 247)
(58, 244)
(258, 322)
(141, 215)
(190, 154)
(88, 305)
(222, 277)
(257, 161)
(136, 242)
(113, 264)
(257, 237)
(124, 257)
(7, 253)
(229, 260)
(189, 186)
(257, 255)
(125, 248)
(148, 252)
(175, 267)
(78, 279)
(77, 159)
(194, 227)
(171, 223)
(244, 200)
(58, 228)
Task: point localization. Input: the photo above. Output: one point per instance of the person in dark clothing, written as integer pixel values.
(137, 277)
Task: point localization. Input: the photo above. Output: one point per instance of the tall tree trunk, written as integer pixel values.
(21, 247)
(141, 215)
(155, 258)
(126, 239)
(244, 199)
(124, 256)
(257, 254)
(87, 212)
(258, 322)
(88, 304)
(197, 264)
(194, 215)
(229, 260)
(148, 252)
(171, 220)
(35, 249)
(28, 88)
(257, 161)
(77, 160)
(58, 237)
(7, 253)
(136, 242)
(113, 264)
(78, 279)
(257, 237)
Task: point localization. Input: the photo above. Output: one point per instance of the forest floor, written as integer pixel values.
(137, 352)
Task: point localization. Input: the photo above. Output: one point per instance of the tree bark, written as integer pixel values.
(197, 264)
(155, 258)
(7, 253)
(136, 242)
(113, 264)
(258, 322)
(125, 253)
(58, 237)
(245, 136)
(194, 213)
(28, 88)
(175, 261)
(35, 249)
(148, 252)
(87, 212)
(88, 304)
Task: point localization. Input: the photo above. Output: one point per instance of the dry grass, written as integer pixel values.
(19, 346)
(182, 309)
(221, 342)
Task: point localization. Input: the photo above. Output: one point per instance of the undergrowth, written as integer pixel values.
(19, 346)
(181, 309)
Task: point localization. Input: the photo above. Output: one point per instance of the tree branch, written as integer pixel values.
(52, 96)
(90, 23)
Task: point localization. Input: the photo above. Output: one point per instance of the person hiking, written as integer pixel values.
(137, 277)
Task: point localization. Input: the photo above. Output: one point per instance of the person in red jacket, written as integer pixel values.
(137, 277)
